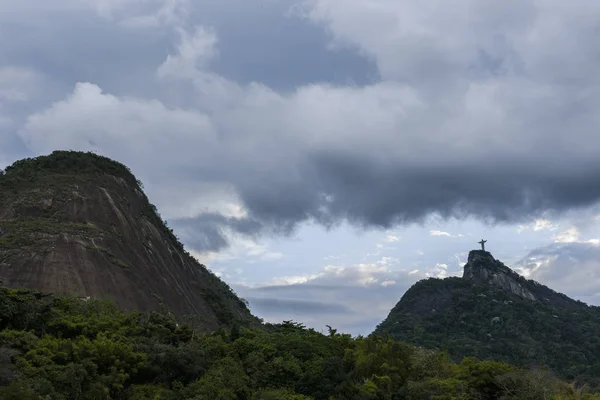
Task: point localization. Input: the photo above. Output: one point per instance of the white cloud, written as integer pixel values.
(442, 233)
(521, 228)
(292, 280)
(388, 261)
(260, 252)
(439, 271)
(194, 51)
(388, 30)
(568, 267)
(363, 274)
(391, 238)
(541, 224)
(142, 13)
(192, 200)
(569, 236)
(90, 119)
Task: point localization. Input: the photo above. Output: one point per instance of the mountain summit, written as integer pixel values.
(78, 223)
(483, 268)
(492, 312)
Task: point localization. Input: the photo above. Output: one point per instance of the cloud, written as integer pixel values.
(571, 267)
(243, 250)
(210, 231)
(93, 120)
(352, 309)
(539, 224)
(193, 53)
(359, 290)
(142, 13)
(442, 233)
(296, 307)
(391, 238)
(364, 274)
(467, 118)
(439, 271)
(571, 235)
(17, 84)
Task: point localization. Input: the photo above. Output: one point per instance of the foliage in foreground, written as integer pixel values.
(62, 348)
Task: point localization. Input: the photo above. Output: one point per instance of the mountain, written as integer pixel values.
(79, 223)
(494, 313)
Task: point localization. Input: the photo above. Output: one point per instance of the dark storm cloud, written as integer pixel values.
(369, 192)
(208, 232)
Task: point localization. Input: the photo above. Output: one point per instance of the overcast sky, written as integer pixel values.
(323, 155)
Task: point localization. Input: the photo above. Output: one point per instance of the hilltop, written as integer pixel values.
(493, 313)
(79, 223)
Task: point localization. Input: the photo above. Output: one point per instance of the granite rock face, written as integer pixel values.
(483, 268)
(80, 224)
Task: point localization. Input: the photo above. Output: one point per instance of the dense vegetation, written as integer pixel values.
(65, 162)
(54, 347)
(486, 322)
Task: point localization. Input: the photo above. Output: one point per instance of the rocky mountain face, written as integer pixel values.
(79, 223)
(494, 313)
(482, 268)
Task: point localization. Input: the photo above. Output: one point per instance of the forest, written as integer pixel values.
(561, 334)
(66, 348)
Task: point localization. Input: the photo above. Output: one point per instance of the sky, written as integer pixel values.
(321, 156)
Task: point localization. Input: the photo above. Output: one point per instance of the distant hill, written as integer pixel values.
(79, 223)
(494, 313)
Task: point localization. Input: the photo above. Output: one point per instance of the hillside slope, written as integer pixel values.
(79, 223)
(494, 313)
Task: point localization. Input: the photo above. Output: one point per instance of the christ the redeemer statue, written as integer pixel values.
(482, 243)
